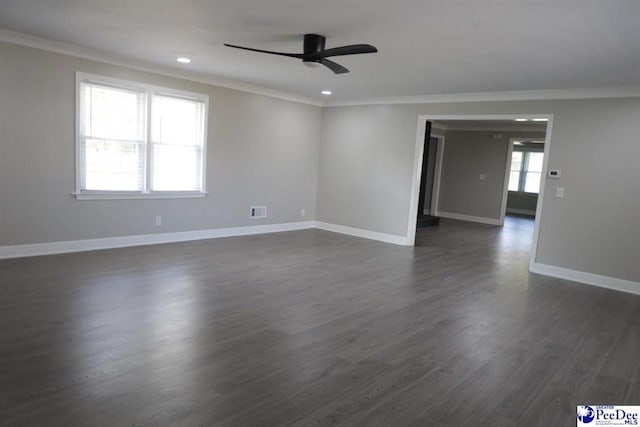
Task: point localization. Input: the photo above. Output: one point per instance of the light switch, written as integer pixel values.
(560, 192)
(483, 177)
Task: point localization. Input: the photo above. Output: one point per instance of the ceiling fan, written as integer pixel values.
(315, 53)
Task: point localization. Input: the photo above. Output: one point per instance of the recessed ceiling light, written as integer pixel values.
(521, 120)
(326, 92)
(183, 60)
(540, 120)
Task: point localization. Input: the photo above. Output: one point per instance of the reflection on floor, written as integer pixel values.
(312, 328)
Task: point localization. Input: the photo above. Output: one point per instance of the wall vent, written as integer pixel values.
(258, 212)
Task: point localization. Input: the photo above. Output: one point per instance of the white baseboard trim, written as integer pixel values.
(357, 232)
(521, 211)
(18, 251)
(587, 278)
(480, 219)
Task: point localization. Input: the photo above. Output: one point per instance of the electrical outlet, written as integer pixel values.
(158, 220)
(303, 212)
(560, 192)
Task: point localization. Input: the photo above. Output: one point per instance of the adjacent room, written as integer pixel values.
(278, 213)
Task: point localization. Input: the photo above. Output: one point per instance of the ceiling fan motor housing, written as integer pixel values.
(313, 43)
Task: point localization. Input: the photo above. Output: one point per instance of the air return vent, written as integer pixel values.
(258, 212)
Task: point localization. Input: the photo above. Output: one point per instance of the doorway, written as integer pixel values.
(427, 198)
(476, 178)
(523, 176)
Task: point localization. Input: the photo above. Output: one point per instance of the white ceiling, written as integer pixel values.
(425, 46)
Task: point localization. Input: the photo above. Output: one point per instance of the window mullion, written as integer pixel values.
(115, 147)
(148, 142)
(523, 170)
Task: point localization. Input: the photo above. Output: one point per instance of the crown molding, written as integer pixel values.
(125, 61)
(525, 95)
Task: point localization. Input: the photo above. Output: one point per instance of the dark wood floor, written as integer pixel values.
(311, 328)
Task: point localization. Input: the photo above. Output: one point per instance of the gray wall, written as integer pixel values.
(522, 202)
(467, 154)
(595, 144)
(261, 150)
(264, 150)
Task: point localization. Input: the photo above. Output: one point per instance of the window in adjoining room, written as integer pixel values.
(526, 167)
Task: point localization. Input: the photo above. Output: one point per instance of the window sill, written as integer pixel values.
(523, 193)
(139, 196)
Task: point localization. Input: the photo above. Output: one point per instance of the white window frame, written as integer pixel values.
(524, 169)
(150, 91)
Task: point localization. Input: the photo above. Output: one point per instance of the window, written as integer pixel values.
(138, 141)
(526, 170)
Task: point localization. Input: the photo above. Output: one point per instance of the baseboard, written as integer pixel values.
(521, 212)
(51, 248)
(17, 251)
(587, 278)
(480, 219)
(357, 232)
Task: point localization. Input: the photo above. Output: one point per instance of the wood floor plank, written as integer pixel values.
(311, 328)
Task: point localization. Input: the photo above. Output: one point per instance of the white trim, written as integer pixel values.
(505, 185)
(587, 278)
(139, 86)
(50, 248)
(415, 181)
(521, 211)
(417, 166)
(366, 234)
(437, 175)
(543, 183)
(149, 91)
(470, 218)
(136, 64)
(125, 61)
(87, 195)
(507, 175)
(521, 95)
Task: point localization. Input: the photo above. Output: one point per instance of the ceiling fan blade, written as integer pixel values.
(333, 66)
(353, 49)
(291, 55)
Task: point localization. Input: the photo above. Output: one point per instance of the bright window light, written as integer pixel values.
(139, 139)
(526, 170)
(177, 127)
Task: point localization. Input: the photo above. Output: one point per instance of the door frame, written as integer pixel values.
(417, 168)
(437, 174)
(507, 174)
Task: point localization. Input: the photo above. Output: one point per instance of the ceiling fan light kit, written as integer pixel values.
(315, 54)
